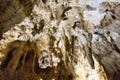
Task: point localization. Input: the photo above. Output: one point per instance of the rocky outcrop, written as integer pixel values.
(13, 12)
(25, 62)
(61, 40)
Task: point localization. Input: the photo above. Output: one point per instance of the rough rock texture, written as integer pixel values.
(13, 12)
(60, 40)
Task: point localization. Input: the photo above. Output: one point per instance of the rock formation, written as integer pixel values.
(59, 40)
(13, 12)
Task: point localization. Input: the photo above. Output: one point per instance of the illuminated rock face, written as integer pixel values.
(23, 63)
(60, 40)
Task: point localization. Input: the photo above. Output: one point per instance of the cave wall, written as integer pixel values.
(60, 40)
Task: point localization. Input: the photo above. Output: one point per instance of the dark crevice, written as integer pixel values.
(44, 1)
(20, 62)
(64, 73)
(113, 16)
(116, 76)
(65, 10)
(115, 46)
(36, 66)
(7, 59)
(29, 56)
